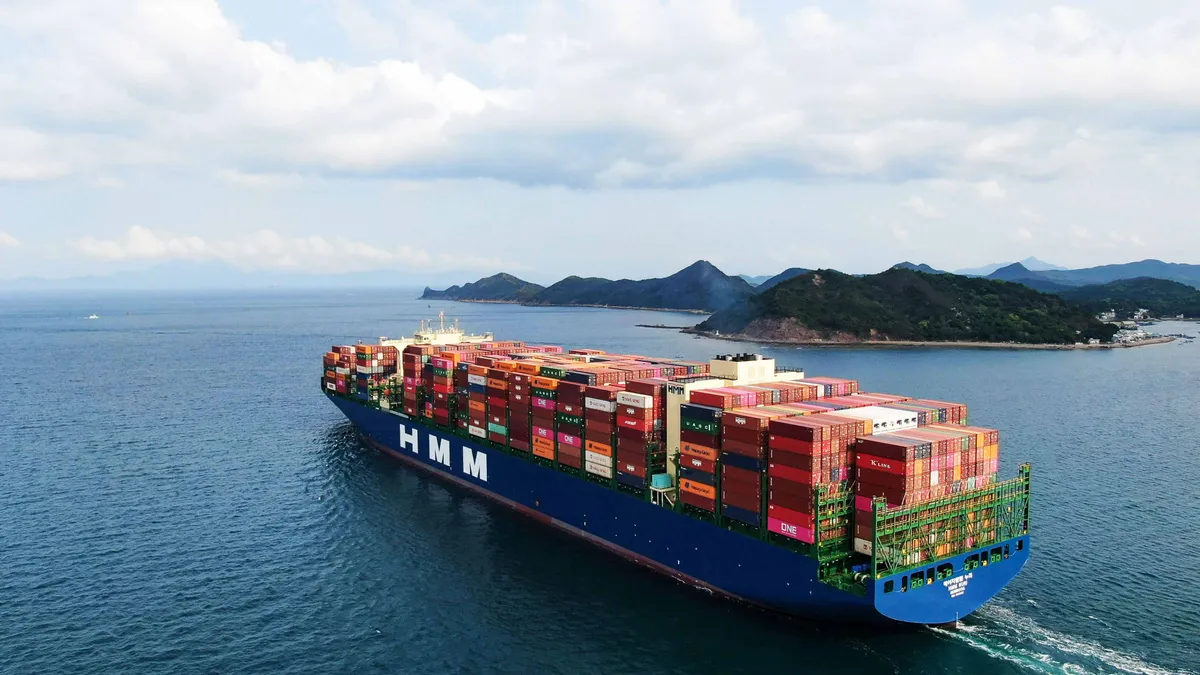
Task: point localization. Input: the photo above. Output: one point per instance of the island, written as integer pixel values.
(905, 306)
(699, 287)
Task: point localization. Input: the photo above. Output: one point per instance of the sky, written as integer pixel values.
(448, 139)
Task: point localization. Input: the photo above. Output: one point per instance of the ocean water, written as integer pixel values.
(176, 496)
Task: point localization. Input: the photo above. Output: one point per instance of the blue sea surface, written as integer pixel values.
(176, 496)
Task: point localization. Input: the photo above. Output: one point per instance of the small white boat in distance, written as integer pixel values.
(93, 317)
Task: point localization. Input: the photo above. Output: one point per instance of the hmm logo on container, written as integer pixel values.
(474, 464)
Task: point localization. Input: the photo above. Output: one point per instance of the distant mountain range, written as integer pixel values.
(1030, 263)
(1050, 280)
(922, 267)
(1160, 296)
(697, 287)
(496, 288)
(754, 281)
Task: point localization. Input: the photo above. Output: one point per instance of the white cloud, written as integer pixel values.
(990, 190)
(262, 180)
(8, 241)
(900, 234)
(574, 93)
(1023, 234)
(267, 249)
(1031, 215)
(922, 208)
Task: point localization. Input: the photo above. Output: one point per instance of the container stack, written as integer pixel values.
(496, 388)
(640, 412)
(933, 412)
(699, 455)
(568, 416)
(519, 410)
(600, 429)
(804, 453)
(744, 462)
(542, 397)
(339, 369)
(439, 381)
(461, 398)
(415, 359)
(918, 465)
(372, 366)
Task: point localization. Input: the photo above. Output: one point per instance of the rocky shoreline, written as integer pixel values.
(742, 337)
(538, 304)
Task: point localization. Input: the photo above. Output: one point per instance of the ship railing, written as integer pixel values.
(920, 535)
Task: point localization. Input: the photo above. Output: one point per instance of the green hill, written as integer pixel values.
(901, 304)
(699, 286)
(496, 288)
(1160, 296)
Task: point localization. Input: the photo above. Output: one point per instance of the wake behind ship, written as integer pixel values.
(798, 494)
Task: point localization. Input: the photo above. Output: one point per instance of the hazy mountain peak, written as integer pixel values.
(1032, 263)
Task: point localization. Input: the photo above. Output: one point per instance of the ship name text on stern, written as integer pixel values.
(474, 463)
(958, 585)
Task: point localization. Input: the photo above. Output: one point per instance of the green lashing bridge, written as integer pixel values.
(911, 537)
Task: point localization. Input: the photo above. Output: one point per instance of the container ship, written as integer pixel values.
(798, 494)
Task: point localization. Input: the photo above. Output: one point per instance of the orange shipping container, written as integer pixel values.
(545, 383)
(543, 447)
(599, 448)
(476, 406)
(701, 451)
(706, 491)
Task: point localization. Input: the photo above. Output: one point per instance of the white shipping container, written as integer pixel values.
(596, 457)
(933, 477)
(635, 400)
(330, 386)
(599, 469)
(342, 371)
(862, 546)
(477, 379)
(477, 431)
(599, 404)
(883, 420)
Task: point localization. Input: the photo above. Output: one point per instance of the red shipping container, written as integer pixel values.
(790, 473)
(691, 462)
(633, 456)
(744, 449)
(697, 501)
(631, 468)
(743, 435)
(739, 475)
(790, 501)
(741, 500)
(599, 416)
(746, 491)
(801, 518)
(626, 422)
(699, 438)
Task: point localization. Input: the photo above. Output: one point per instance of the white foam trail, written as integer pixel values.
(1010, 627)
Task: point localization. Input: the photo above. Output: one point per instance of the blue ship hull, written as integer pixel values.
(690, 550)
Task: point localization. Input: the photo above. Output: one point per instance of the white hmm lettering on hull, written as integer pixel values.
(474, 462)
